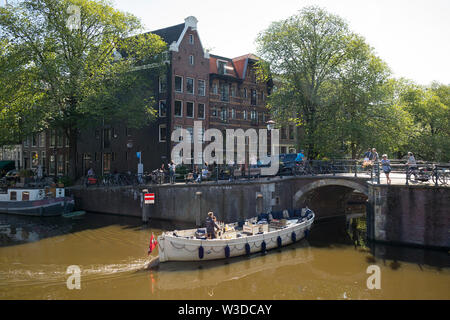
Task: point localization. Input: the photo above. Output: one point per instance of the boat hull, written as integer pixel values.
(172, 248)
(38, 208)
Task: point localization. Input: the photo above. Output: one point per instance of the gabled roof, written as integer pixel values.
(170, 34)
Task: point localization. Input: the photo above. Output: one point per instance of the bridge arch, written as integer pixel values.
(324, 189)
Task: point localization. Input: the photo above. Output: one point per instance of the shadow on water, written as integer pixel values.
(15, 230)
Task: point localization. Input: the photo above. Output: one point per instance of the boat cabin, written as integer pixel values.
(30, 194)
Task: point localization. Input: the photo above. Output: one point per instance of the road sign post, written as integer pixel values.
(148, 201)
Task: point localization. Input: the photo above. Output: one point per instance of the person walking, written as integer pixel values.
(386, 167)
(172, 168)
(411, 162)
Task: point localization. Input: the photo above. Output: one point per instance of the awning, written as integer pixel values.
(7, 165)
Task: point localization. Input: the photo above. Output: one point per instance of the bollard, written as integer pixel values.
(145, 207)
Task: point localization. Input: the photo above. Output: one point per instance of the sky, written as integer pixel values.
(411, 36)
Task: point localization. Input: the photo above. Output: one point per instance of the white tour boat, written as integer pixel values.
(41, 202)
(255, 235)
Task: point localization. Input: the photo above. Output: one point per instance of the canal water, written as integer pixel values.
(111, 252)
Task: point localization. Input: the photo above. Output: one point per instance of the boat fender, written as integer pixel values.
(263, 246)
(279, 241)
(200, 252)
(306, 233)
(227, 251)
(247, 248)
(293, 237)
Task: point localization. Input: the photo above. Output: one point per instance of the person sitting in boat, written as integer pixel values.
(211, 226)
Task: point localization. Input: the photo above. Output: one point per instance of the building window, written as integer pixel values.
(178, 84)
(214, 112)
(34, 140)
(201, 111)
(233, 114)
(43, 158)
(60, 138)
(178, 108)
(201, 87)
(191, 39)
(189, 109)
(60, 164)
(25, 142)
(52, 138)
(224, 114)
(162, 133)
(253, 98)
(162, 108)
(106, 162)
(214, 87)
(190, 85)
(52, 165)
(162, 84)
(224, 92)
(245, 93)
(245, 115)
(283, 134)
(42, 140)
(291, 132)
(107, 138)
(191, 60)
(254, 116)
(221, 67)
(233, 91)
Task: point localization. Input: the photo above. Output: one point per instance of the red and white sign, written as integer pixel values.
(149, 198)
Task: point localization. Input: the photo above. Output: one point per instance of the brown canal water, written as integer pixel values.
(111, 252)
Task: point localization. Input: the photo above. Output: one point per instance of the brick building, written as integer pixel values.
(196, 86)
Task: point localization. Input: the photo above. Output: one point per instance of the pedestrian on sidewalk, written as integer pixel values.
(172, 168)
(386, 166)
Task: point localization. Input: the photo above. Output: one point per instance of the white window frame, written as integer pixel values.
(193, 109)
(174, 108)
(244, 114)
(175, 88)
(191, 38)
(204, 87)
(193, 85)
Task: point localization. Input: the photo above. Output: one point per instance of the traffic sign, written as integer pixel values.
(149, 198)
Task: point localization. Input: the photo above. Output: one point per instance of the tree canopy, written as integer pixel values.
(330, 82)
(68, 63)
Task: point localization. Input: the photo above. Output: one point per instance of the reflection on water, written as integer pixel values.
(112, 254)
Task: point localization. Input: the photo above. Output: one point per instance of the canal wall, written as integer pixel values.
(398, 214)
(229, 201)
(412, 215)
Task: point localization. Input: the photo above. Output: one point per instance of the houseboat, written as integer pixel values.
(40, 202)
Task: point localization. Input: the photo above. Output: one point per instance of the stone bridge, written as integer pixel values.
(404, 214)
(230, 201)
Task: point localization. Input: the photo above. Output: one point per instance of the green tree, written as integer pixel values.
(305, 52)
(430, 109)
(61, 67)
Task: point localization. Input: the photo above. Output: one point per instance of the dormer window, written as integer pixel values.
(221, 67)
(191, 39)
